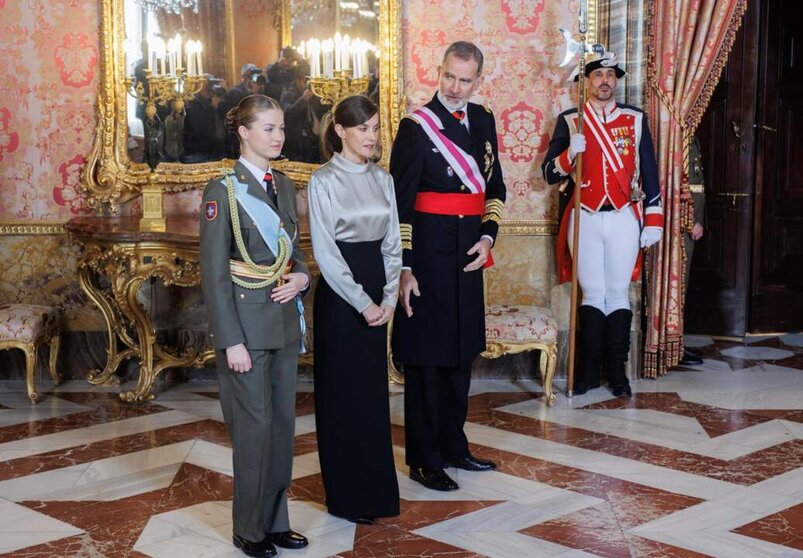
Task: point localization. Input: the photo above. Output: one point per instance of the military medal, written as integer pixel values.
(450, 171)
(489, 159)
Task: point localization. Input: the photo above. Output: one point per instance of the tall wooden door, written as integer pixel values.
(776, 303)
(718, 291)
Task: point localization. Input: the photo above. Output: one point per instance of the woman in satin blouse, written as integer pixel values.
(355, 238)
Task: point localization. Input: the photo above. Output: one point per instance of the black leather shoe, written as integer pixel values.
(622, 390)
(580, 389)
(433, 478)
(471, 463)
(288, 539)
(358, 519)
(689, 359)
(261, 549)
(696, 353)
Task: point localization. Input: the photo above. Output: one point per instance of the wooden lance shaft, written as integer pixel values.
(576, 227)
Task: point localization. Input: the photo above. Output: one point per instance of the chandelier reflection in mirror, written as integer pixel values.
(169, 6)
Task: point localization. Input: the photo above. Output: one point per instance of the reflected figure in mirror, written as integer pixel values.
(304, 123)
(282, 78)
(204, 130)
(174, 134)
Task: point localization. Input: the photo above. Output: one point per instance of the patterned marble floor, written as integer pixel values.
(706, 461)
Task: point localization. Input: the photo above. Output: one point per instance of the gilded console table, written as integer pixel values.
(117, 259)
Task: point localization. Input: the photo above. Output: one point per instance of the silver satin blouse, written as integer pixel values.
(349, 202)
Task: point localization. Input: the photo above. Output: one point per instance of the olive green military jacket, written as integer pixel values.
(236, 314)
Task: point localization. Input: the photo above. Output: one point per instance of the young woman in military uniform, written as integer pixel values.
(253, 275)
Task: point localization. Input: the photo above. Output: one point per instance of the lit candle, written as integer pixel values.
(188, 48)
(314, 47)
(177, 41)
(171, 47)
(159, 47)
(200, 62)
(338, 49)
(345, 52)
(327, 48)
(301, 49)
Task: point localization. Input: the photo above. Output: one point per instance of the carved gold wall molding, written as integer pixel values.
(110, 178)
(528, 228)
(31, 228)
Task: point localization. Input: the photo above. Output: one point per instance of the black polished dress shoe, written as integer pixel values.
(358, 519)
(471, 463)
(622, 390)
(689, 359)
(693, 352)
(261, 549)
(288, 539)
(580, 389)
(433, 478)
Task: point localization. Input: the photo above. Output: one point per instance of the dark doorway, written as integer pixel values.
(747, 270)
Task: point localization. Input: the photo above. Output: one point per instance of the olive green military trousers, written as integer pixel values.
(259, 409)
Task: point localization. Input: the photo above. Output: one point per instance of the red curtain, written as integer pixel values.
(688, 45)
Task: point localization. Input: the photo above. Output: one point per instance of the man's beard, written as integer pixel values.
(603, 96)
(451, 105)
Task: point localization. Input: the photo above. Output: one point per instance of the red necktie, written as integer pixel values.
(270, 187)
(459, 114)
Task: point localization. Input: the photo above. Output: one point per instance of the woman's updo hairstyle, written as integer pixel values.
(246, 111)
(351, 111)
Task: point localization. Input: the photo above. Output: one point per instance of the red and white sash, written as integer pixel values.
(463, 164)
(609, 151)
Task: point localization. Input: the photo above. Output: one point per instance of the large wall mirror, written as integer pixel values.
(194, 59)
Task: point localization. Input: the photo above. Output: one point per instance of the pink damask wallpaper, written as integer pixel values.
(49, 69)
(49, 66)
(522, 85)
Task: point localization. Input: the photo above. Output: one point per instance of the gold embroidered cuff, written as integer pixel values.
(493, 211)
(407, 245)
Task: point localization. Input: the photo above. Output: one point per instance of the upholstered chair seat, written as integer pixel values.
(26, 327)
(511, 329)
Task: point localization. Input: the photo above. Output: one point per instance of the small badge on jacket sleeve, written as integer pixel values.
(210, 210)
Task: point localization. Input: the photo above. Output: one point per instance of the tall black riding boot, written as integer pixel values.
(592, 347)
(617, 348)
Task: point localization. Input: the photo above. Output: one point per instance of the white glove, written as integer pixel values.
(651, 235)
(577, 144)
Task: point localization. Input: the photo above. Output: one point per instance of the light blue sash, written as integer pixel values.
(267, 221)
(269, 225)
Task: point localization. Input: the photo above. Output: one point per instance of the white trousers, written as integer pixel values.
(609, 246)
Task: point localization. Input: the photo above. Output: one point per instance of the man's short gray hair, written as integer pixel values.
(465, 50)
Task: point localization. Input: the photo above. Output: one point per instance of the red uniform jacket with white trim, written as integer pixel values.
(630, 135)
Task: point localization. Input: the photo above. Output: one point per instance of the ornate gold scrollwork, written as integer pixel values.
(111, 178)
(127, 266)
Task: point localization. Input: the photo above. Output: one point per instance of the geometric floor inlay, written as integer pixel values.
(705, 461)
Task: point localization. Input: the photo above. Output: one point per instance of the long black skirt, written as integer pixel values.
(352, 413)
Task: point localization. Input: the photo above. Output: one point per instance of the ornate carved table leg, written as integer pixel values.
(126, 289)
(95, 293)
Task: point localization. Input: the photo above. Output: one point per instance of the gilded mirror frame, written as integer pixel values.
(110, 178)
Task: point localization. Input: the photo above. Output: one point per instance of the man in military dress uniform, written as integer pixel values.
(258, 402)
(691, 356)
(620, 200)
(450, 193)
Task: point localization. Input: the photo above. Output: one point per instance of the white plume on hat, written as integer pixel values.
(606, 60)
